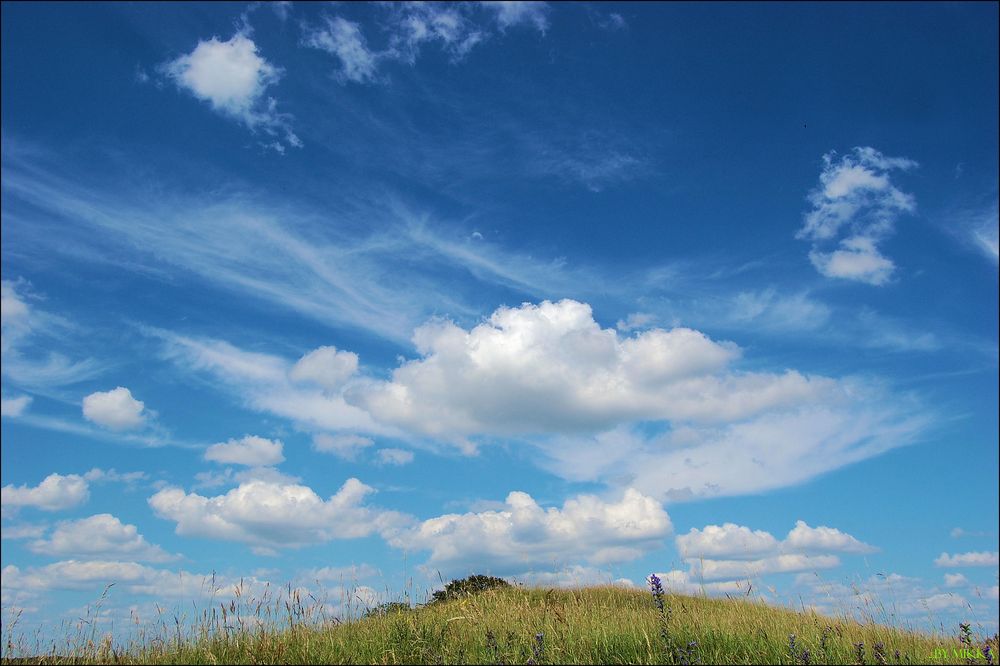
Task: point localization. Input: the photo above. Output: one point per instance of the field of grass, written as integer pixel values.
(596, 625)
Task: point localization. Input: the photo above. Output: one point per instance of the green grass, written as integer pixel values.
(597, 625)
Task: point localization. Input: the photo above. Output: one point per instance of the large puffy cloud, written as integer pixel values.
(98, 537)
(973, 559)
(551, 375)
(115, 409)
(233, 78)
(551, 368)
(273, 514)
(856, 194)
(251, 451)
(55, 493)
(523, 535)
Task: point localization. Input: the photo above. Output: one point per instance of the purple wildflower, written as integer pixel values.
(538, 647)
(656, 587)
(878, 651)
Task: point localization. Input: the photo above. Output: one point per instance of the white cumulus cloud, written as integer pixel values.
(733, 551)
(346, 446)
(857, 259)
(101, 536)
(955, 580)
(94, 575)
(55, 493)
(326, 367)
(972, 559)
(233, 78)
(251, 451)
(856, 204)
(273, 514)
(395, 456)
(805, 538)
(729, 540)
(115, 409)
(15, 406)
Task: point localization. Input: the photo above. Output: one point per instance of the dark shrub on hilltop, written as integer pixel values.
(388, 608)
(465, 587)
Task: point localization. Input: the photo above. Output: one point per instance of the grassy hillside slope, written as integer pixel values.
(599, 625)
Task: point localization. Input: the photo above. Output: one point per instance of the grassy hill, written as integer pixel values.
(597, 625)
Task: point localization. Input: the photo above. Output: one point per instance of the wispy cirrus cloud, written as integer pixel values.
(265, 383)
(455, 28)
(244, 246)
(27, 334)
(977, 228)
(777, 448)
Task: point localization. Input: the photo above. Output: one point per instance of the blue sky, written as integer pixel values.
(368, 296)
